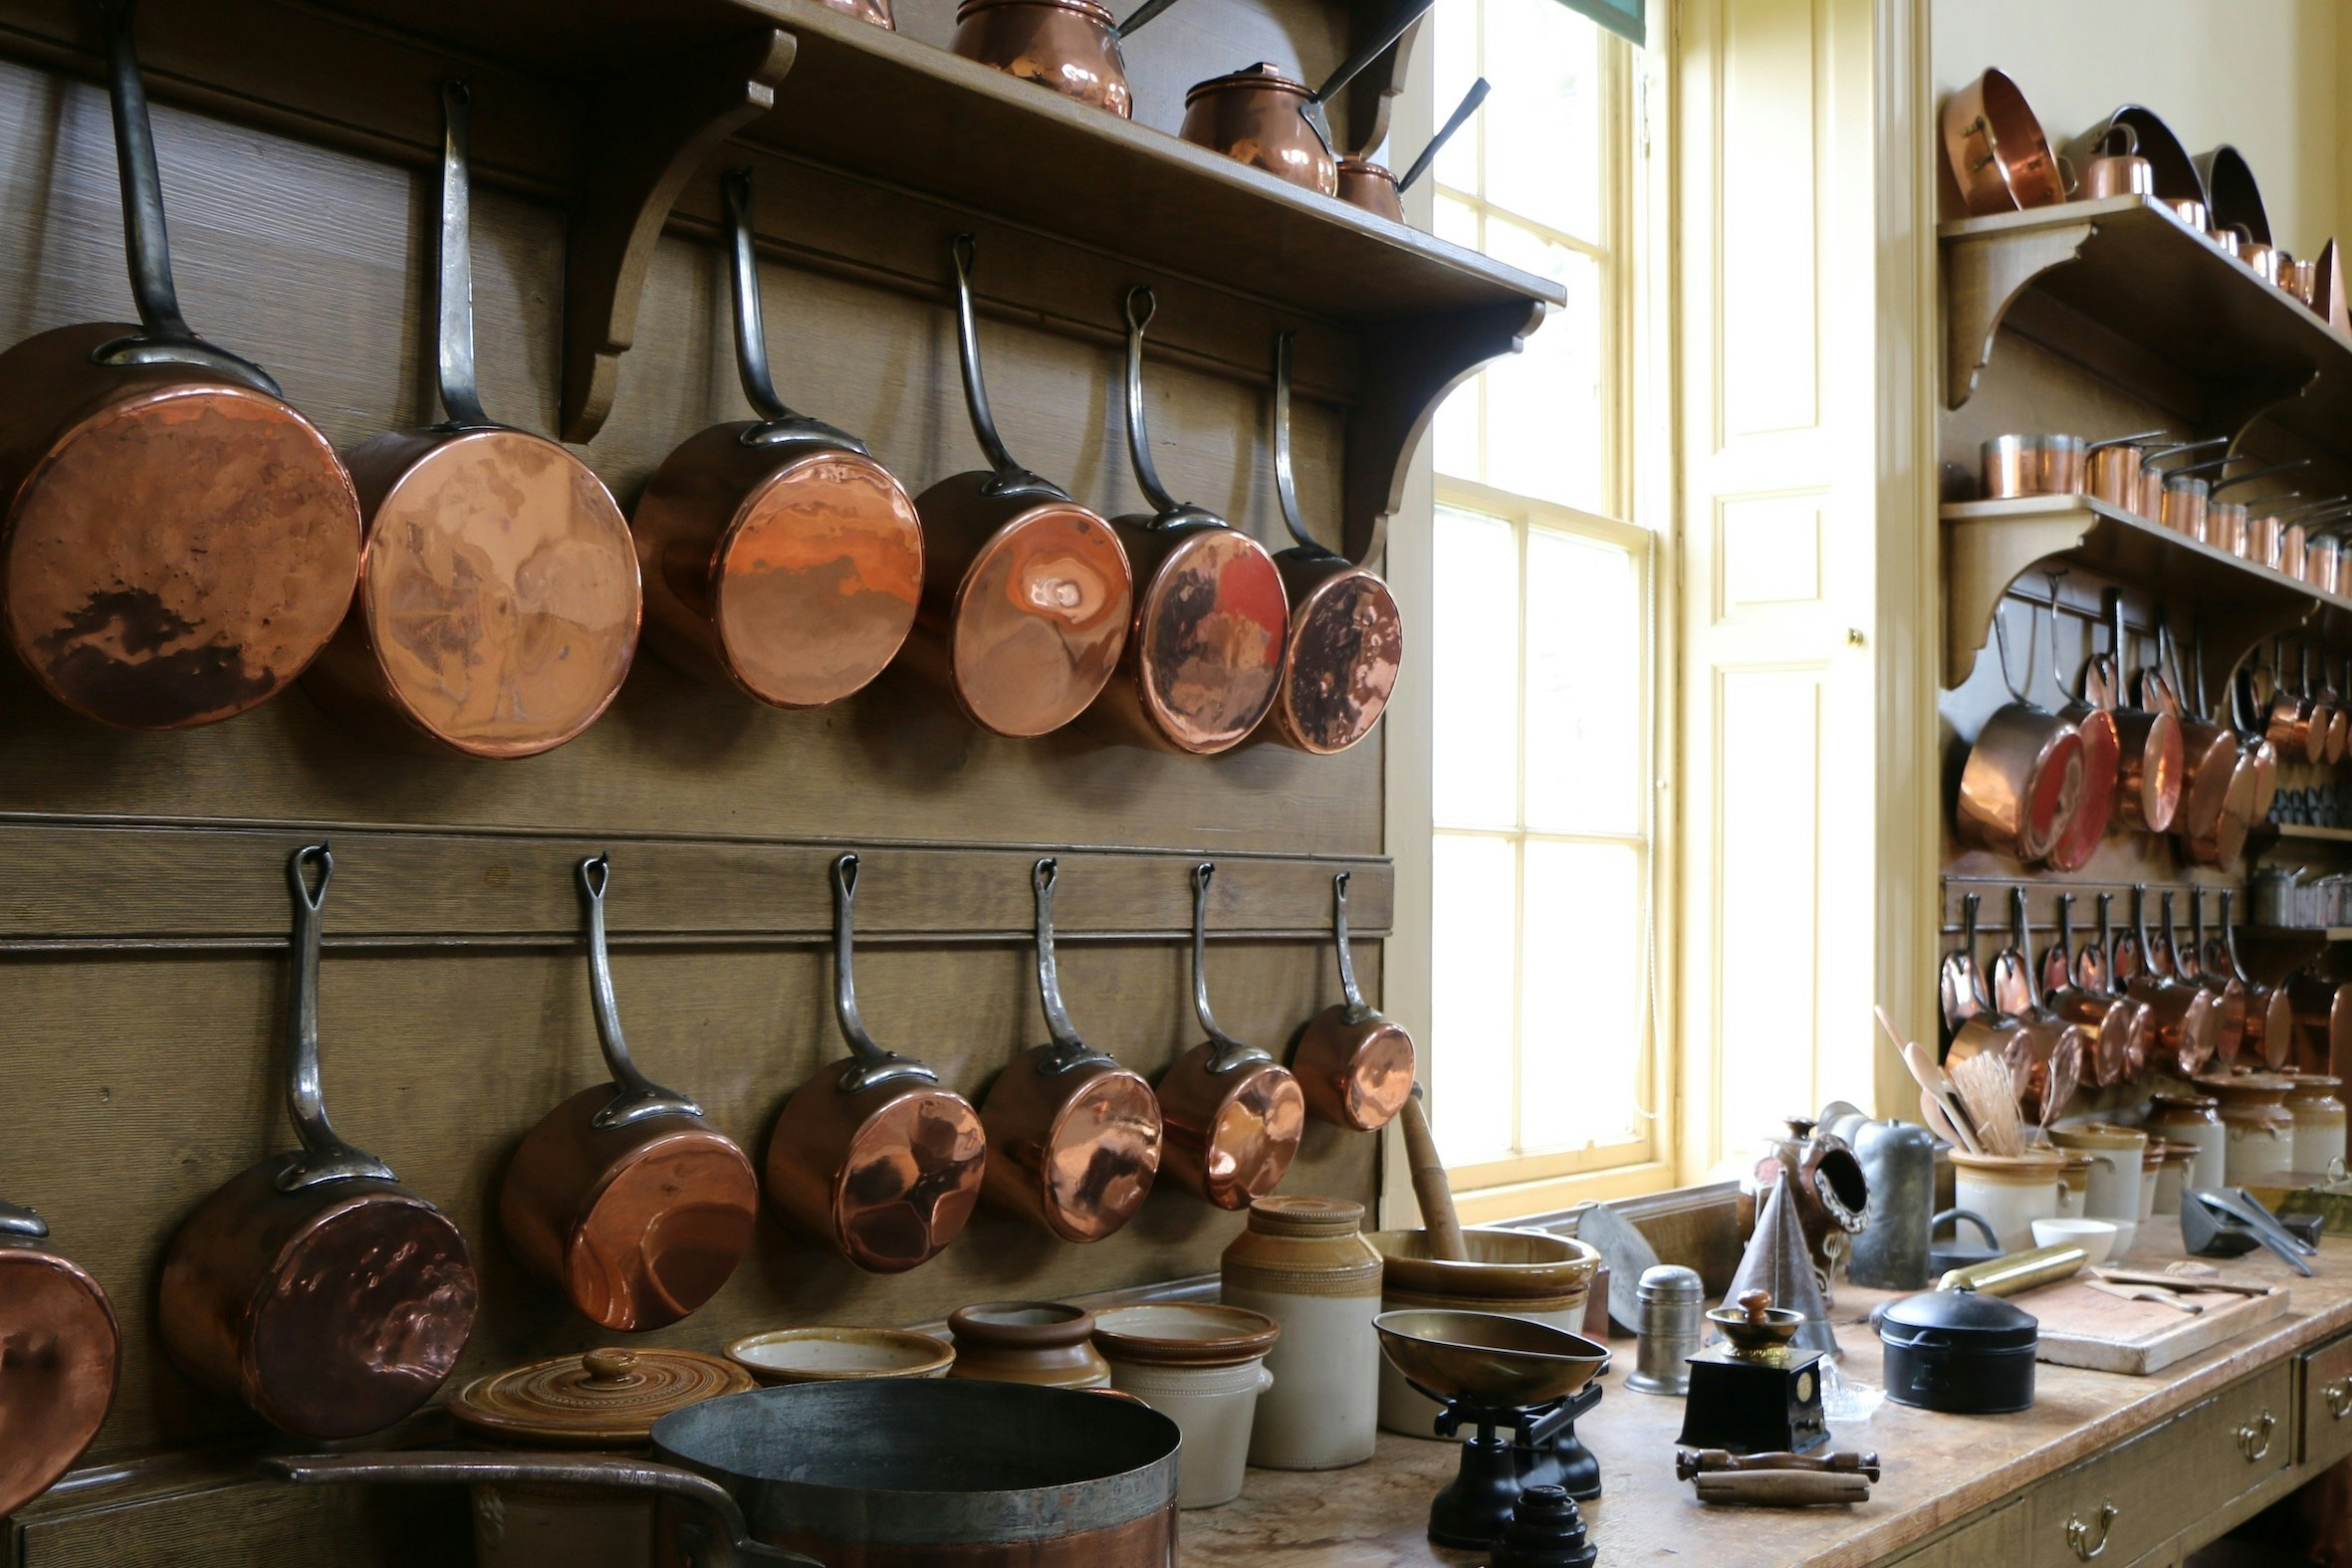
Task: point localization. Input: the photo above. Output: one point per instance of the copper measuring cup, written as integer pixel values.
(2074, 989)
(2185, 1029)
(1204, 653)
(2270, 1012)
(178, 542)
(1233, 1116)
(64, 1355)
(1369, 185)
(872, 1156)
(1354, 1065)
(626, 1195)
(314, 1286)
(1026, 593)
(2233, 1001)
(1270, 121)
(1069, 46)
(1074, 1138)
(778, 555)
(498, 600)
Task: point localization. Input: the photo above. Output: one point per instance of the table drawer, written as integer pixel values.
(2327, 1403)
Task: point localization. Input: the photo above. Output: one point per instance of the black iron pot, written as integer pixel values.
(1960, 1353)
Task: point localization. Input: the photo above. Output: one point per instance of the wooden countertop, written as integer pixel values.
(1939, 1469)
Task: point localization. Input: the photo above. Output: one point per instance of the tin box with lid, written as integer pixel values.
(1959, 1352)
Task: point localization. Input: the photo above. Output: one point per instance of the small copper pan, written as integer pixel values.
(624, 1195)
(2233, 1001)
(2185, 1028)
(1354, 1065)
(2090, 710)
(2210, 750)
(2270, 1012)
(2117, 1025)
(2100, 969)
(498, 600)
(1204, 653)
(1074, 1138)
(1234, 1117)
(314, 1286)
(61, 1352)
(778, 557)
(872, 1156)
(178, 542)
(1369, 185)
(2245, 715)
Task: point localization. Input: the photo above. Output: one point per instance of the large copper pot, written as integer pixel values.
(1071, 46)
(498, 600)
(1354, 1064)
(872, 1156)
(61, 1352)
(626, 1195)
(179, 542)
(315, 1288)
(778, 557)
(1264, 118)
(1074, 1138)
(1369, 185)
(2000, 157)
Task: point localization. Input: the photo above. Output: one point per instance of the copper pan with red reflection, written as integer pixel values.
(1354, 1065)
(1233, 1116)
(64, 1357)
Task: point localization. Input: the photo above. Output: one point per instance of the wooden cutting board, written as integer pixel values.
(2082, 1327)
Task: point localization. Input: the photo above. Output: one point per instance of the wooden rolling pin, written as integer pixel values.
(1430, 1186)
(1781, 1488)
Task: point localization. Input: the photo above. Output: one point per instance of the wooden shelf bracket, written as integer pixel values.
(1983, 274)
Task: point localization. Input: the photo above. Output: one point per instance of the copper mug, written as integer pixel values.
(1069, 46)
(2122, 173)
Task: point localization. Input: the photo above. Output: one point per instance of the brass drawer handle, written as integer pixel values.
(2339, 1398)
(2078, 1534)
(2253, 1438)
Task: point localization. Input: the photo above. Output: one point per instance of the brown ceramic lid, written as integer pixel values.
(1305, 1217)
(1261, 75)
(1020, 1325)
(1184, 1334)
(606, 1398)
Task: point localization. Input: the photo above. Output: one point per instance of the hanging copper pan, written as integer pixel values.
(179, 542)
(624, 1195)
(2150, 761)
(1234, 1117)
(2254, 748)
(2225, 840)
(2090, 712)
(1205, 646)
(1354, 1065)
(498, 600)
(872, 1156)
(2233, 1001)
(1074, 1138)
(2117, 1025)
(2210, 750)
(778, 555)
(2022, 782)
(2185, 1026)
(314, 1286)
(1960, 984)
(61, 1352)
(2269, 1012)
(1026, 593)
(2100, 969)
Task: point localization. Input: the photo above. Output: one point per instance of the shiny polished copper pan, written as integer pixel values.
(498, 600)
(60, 1354)
(2210, 750)
(2022, 782)
(179, 542)
(314, 1286)
(1074, 1138)
(2269, 1012)
(2232, 1001)
(2090, 709)
(872, 1156)
(2185, 1026)
(1234, 1117)
(2116, 1026)
(624, 1195)
(2150, 760)
(778, 557)
(1354, 1065)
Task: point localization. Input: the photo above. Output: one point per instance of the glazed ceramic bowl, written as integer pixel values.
(1041, 1342)
(2096, 1237)
(838, 1354)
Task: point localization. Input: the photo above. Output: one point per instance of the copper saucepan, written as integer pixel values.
(1026, 593)
(61, 1352)
(2270, 1012)
(1233, 1116)
(2331, 718)
(1999, 155)
(778, 555)
(2090, 710)
(2208, 750)
(499, 599)
(1369, 185)
(314, 1286)
(2117, 1027)
(2112, 474)
(872, 1156)
(179, 542)
(2285, 714)
(2049, 1039)
(2022, 782)
(2225, 842)
(1074, 1138)
(1069, 46)
(2099, 968)
(2254, 748)
(2185, 1025)
(624, 1195)
(1205, 648)
(2233, 1003)
(1354, 1065)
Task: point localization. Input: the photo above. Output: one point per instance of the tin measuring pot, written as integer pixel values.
(1234, 1117)
(624, 1195)
(178, 542)
(1369, 185)
(315, 1288)
(64, 1355)
(2233, 1001)
(1354, 1065)
(499, 599)
(778, 555)
(1069, 46)
(1074, 1138)
(1268, 122)
(872, 1156)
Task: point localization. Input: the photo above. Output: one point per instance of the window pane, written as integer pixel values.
(1475, 905)
(1580, 1011)
(1456, 22)
(1474, 655)
(1544, 425)
(1584, 686)
(1544, 147)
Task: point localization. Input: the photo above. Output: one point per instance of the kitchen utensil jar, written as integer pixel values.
(1305, 1262)
(2258, 1129)
(2009, 1192)
(1354, 1065)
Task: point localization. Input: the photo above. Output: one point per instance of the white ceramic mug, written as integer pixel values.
(1214, 1408)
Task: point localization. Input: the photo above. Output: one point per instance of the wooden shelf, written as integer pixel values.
(2331, 835)
(2296, 933)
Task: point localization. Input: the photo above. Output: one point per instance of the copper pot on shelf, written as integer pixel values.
(2022, 782)
(2113, 467)
(65, 1356)
(872, 1156)
(1070, 47)
(1999, 153)
(626, 1195)
(1265, 120)
(315, 1288)
(778, 557)
(2116, 169)
(1369, 185)
(499, 602)
(2232, 191)
(2156, 502)
(2184, 1025)
(1074, 1138)
(2179, 186)
(2117, 1025)
(2269, 1010)
(1354, 1065)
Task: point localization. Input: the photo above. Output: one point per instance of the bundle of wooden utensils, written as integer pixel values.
(1777, 1481)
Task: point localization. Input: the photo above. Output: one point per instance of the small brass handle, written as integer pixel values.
(2078, 1534)
(2339, 1398)
(2253, 1438)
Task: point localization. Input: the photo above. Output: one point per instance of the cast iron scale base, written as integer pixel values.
(1541, 1450)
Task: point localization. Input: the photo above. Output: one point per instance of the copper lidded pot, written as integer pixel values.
(1264, 118)
(626, 1195)
(65, 1356)
(1071, 46)
(1354, 1065)
(1369, 185)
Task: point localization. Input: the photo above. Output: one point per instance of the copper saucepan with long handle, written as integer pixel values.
(778, 557)
(60, 1354)
(2022, 782)
(2185, 1025)
(2269, 1012)
(1074, 1138)
(2225, 840)
(626, 1195)
(2210, 751)
(2117, 1025)
(2233, 1003)
(498, 600)
(1233, 1116)
(872, 1156)
(1373, 188)
(2150, 759)
(314, 1286)
(178, 542)
(1354, 1064)
(2090, 709)
(2100, 969)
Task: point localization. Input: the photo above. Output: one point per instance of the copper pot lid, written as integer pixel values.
(1184, 1334)
(1261, 77)
(1039, 619)
(63, 1355)
(606, 1398)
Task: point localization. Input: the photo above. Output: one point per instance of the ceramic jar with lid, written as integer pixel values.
(2319, 1121)
(1552, 1280)
(1042, 1342)
(2011, 1191)
(2195, 1120)
(2258, 1130)
(1305, 1262)
(1204, 1368)
(2117, 1154)
(2151, 1171)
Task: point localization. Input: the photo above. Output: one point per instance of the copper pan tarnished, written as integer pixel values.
(872, 1156)
(2233, 1001)
(1074, 1138)
(1233, 1116)
(2117, 1027)
(315, 1288)
(1268, 122)
(1369, 185)
(2090, 710)
(178, 542)
(2022, 782)
(2270, 1012)
(624, 1195)
(1026, 593)
(61, 1352)
(2184, 1026)
(1354, 1065)
(499, 599)
(1071, 46)
(2330, 718)
(778, 557)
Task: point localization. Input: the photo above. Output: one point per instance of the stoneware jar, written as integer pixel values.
(2151, 1171)
(2260, 1131)
(2012, 1192)
(1204, 1368)
(2180, 1162)
(1518, 1273)
(2074, 1169)
(2319, 1121)
(1041, 1342)
(827, 1353)
(2193, 1119)
(1305, 1262)
(2117, 1153)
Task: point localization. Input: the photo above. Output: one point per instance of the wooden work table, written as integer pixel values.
(1958, 1490)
